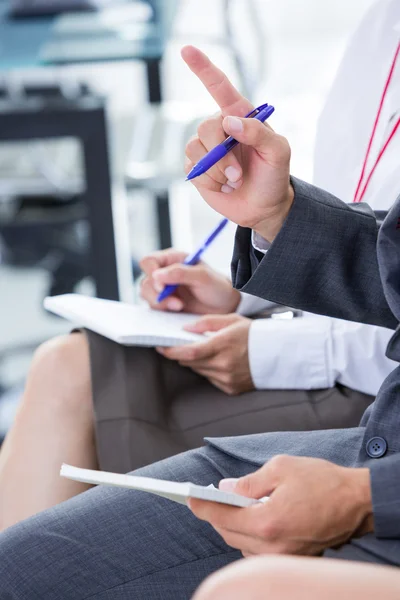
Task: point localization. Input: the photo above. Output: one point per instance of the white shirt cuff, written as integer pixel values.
(259, 243)
(251, 305)
(291, 354)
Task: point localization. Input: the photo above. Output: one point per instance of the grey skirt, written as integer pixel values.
(147, 407)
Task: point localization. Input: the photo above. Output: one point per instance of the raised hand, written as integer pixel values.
(251, 184)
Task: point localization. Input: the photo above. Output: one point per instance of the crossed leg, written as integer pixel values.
(54, 424)
(286, 578)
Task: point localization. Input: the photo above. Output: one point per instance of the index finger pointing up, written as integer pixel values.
(230, 101)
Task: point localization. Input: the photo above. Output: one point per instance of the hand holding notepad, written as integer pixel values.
(177, 492)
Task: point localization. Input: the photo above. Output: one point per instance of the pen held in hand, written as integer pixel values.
(261, 113)
(194, 258)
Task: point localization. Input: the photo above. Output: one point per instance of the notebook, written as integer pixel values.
(177, 492)
(126, 324)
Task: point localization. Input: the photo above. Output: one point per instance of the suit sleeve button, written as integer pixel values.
(376, 447)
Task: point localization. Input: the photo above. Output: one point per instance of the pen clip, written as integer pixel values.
(255, 111)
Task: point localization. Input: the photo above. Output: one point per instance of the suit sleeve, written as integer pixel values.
(385, 476)
(324, 260)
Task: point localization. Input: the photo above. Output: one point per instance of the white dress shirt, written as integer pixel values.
(312, 351)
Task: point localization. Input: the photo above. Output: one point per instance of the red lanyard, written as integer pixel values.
(361, 189)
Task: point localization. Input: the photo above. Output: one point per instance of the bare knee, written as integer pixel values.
(60, 373)
(256, 578)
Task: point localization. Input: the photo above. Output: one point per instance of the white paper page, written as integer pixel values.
(124, 323)
(177, 492)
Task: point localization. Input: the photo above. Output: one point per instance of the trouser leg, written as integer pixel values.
(111, 543)
(115, 543)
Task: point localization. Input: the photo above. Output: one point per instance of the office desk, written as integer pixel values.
(38, 42)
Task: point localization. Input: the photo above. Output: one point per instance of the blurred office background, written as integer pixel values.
(285, 53)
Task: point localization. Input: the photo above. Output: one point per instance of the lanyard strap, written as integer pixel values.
(358, 196)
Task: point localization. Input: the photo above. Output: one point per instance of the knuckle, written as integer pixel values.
(209, 125)
(278, 462)
(204, 128)
(255, 129)
(145, 282)
(230, 391)
(191, 146)
(282, 151)
(200, 268)
(148, 264)
(143, 263)
(192, 141)
(271, 529)
(145, 288)
(230, 379)
(215, 85)
(191, 354)
(172, 272)
(226, 365)
(165, 254)
(142, 285)
(205, 322)
(203, 275)
(188, 165)
(245, 486)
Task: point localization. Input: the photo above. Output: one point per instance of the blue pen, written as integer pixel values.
(211, 158)
(194, 258)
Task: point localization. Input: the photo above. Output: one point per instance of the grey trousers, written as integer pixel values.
(148, 408)
(114, 544)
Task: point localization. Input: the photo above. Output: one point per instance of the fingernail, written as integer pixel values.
(235, 184)
(226, 189)
(174, 304)
(227, 485)
(232, 173)
(235, 125)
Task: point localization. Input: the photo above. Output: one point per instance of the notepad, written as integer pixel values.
(177, 492)
(126, 324)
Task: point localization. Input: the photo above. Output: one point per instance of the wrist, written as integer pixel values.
(270, 227)
(361, 483)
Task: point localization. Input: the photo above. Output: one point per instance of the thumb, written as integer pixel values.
(261, 137)
(256, 485)
(211, 323)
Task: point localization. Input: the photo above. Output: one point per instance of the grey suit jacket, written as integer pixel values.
(338, 260)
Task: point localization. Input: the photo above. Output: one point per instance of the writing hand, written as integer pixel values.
(201, 289)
